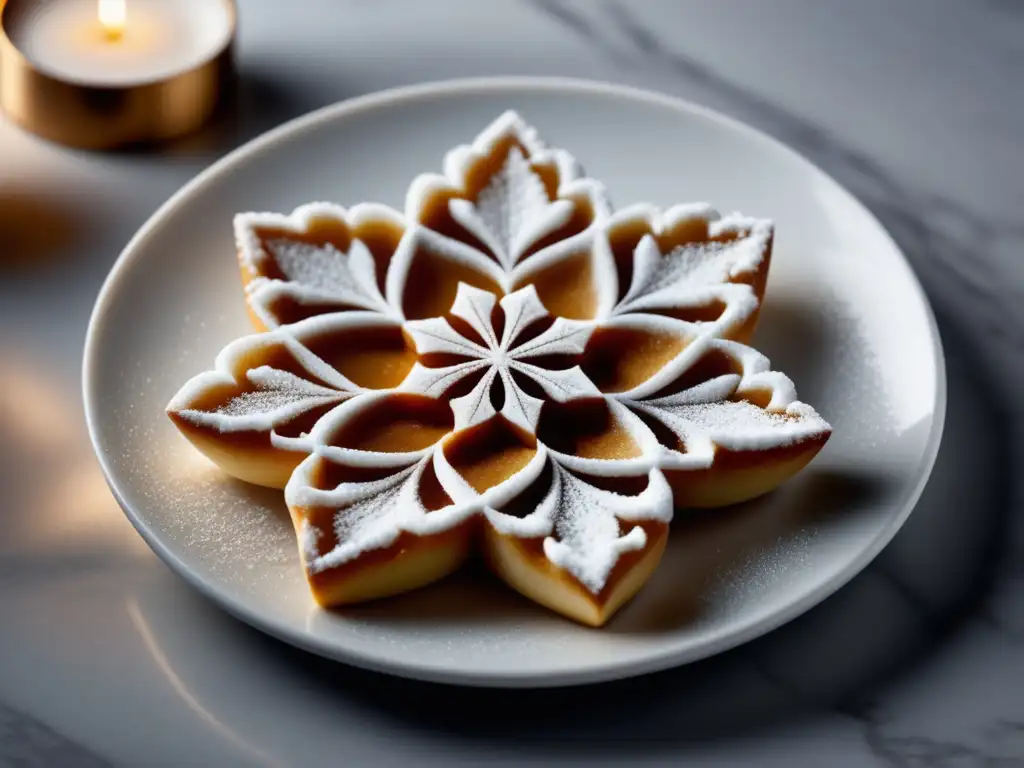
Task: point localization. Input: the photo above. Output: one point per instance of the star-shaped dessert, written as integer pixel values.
(510, 367)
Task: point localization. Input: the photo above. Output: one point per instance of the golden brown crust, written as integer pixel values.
(521, 564)
(737, 476)
(249, 456)
(409, 563)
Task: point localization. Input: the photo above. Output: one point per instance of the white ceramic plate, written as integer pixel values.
(844, 317)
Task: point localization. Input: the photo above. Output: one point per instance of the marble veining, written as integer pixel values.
(918, 662)
(27, 741)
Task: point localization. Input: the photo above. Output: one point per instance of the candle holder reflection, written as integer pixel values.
(95, 74)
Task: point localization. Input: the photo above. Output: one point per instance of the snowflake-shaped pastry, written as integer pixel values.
(498, 355)
(509, 365)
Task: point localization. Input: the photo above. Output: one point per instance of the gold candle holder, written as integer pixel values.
(109, 115)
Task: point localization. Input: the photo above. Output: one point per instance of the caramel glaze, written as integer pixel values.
(275, 355)
(376, 358)
(328, 475)
(567, 289)
(433, 281)
(489, 453)
(287, 310)
(435, 213)
(619, 359)
(712, 364)
(585, 428)
(526, 502)
(405, 422)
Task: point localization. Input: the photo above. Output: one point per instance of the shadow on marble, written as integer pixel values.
(259, 101)
(707, 545)
(25, 741)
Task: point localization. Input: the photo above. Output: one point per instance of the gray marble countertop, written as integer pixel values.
(108, 658)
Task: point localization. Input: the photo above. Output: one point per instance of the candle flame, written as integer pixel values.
(113, 14)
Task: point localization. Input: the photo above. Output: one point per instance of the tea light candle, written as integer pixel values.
(103, 73)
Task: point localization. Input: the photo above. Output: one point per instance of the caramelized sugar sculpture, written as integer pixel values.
(508, 366)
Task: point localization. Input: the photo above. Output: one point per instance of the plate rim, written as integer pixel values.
(652, 661)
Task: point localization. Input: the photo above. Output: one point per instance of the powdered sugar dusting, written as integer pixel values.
(350, 277)
(678, 277)
(714, 412)
(354, 520)
(369, 520)
(501, 355)
(524, 359)
(696, 264)
(695, 274)
(512, 212)
(275, 390)
(513, 197)
(309, 537)
(277, 397)
(321, 266)
(588, 539)
(240, 530)
(290, 266)
(260, 401)
(370, 516)
(740, 425)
